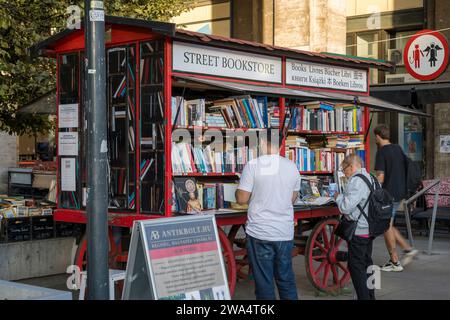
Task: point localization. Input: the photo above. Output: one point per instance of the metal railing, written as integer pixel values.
(408, 203)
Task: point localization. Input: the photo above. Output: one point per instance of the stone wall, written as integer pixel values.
(313, 25)
(8, 158)
(441, 125)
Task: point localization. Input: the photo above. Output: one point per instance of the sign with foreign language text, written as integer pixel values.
(316, 75)
(426, 55)
(176, 259)
(194, 58)
(68, 143)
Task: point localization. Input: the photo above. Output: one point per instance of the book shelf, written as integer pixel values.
(152, 126)
(337, 130)
(319, 153)
(121, 97)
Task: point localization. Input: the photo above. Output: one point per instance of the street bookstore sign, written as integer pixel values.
(208, 60)
(325, 76)
(176, 259)
(426, 55)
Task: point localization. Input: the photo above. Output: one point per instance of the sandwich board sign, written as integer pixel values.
(176, 258)
(426, 55)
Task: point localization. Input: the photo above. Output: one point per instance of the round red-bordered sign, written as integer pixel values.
(426, 55)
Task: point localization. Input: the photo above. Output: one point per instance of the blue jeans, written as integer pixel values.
(269, 260)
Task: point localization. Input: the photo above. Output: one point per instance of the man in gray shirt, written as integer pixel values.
(360, 247)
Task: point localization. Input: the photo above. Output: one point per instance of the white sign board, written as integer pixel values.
(68, 143)
(176, 259)
(68, 177)
(444, 144)
(208, 60)
(325, 76)
(68, 116)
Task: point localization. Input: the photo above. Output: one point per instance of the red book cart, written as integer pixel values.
(149, 64)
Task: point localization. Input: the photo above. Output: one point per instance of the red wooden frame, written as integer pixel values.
(123, 35)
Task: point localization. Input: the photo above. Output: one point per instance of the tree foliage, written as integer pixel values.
(23, 23)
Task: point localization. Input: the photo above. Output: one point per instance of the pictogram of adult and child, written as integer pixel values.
(431, 52)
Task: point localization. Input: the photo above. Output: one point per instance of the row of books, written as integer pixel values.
(189, 159)
(322, 153)
(311, 159)
(151, 70)
(192, 196)
(323, 116)
(329, 141)
(233, 112)
(339, 156)
(145, 167)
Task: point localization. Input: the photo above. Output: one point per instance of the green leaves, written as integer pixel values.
(25, 22)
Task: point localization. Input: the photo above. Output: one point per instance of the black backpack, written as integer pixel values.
(380, 207)
(413, 176)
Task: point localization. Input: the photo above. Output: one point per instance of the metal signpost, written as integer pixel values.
(97, 191)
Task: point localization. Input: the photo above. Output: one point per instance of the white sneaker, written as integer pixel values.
(392, 267)
(409, 256)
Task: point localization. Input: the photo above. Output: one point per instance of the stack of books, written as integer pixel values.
(242, 111)
(348, 118)
(203, 159)
(349, 141)
(232, 112)
(215, 120)
(311, 159)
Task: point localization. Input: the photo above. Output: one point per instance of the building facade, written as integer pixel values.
(377, 29)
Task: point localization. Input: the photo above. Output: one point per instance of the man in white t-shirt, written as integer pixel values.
(270, 185)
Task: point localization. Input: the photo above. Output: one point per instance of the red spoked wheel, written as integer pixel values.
(240, 252)
(81, 254)
(114, 252)
(326, 256)
(230, 263)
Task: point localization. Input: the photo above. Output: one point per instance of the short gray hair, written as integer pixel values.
(352, 159)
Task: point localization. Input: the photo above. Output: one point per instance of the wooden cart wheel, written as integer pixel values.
(81, 257)
(240, 252)
(230, 262)
(325, 254)
(114, 251)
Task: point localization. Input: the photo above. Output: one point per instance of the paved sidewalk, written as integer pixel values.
(426, 278)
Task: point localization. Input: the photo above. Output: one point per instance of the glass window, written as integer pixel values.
(398, 43)
(367, 46)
